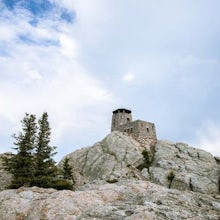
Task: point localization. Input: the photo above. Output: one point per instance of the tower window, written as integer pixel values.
(128, 119)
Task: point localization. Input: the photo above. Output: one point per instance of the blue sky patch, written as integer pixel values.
(34, 22)
(3, 50)
(68, 17)
(43, 42)
(36, 7)
(10, 3)
(40, 8)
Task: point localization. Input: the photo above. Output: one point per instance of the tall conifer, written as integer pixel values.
(44, 163)
(21, 165)
(33, 164)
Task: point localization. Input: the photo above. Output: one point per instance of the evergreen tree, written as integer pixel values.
(67, 169)
(33, 164)
(21, 165)
(44, 163)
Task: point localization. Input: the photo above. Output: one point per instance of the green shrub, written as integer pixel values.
(41, 181)
(146, 155)
(170, 177)
(61, 184)
(148, 159)
(19, 181)
(48, 182)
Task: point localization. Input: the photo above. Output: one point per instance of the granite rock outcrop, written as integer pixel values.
(174, 165)
(119, 178)
(125, 200)
(116, 157)
(193, 169)
(5, 176)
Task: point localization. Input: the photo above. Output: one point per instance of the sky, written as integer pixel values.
(79, 60)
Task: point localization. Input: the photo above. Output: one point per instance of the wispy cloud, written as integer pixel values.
(38, 76)
(128, 77)
(208, 138)
(79, 59)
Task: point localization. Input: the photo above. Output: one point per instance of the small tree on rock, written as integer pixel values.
(67, 170)
(170, 177)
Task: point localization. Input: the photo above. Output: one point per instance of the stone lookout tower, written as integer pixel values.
(142, 131)
(120, 117)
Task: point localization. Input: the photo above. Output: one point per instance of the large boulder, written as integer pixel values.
(114, 158)
(127, 199)
(192, 169)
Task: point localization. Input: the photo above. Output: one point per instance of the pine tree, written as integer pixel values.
(44, 163)
(21, 165)
(67, 169)
(33, 164)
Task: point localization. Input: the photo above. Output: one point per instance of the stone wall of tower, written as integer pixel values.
(120, 117)
(142, 131)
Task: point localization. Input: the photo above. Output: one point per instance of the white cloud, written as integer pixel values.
(66, 69)
(208, 138)
(7, 33)
(92, 19)
(31, 75)
(128, 77)
(36, 77)
(69, 46)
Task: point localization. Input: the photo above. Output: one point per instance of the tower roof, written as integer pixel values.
(121, 110)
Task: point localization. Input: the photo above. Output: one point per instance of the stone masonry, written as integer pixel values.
(142, 131)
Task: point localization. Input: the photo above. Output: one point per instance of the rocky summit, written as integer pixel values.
(120, 178)
(119, 156)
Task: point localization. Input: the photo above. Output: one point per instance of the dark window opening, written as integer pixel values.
(128, 119)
